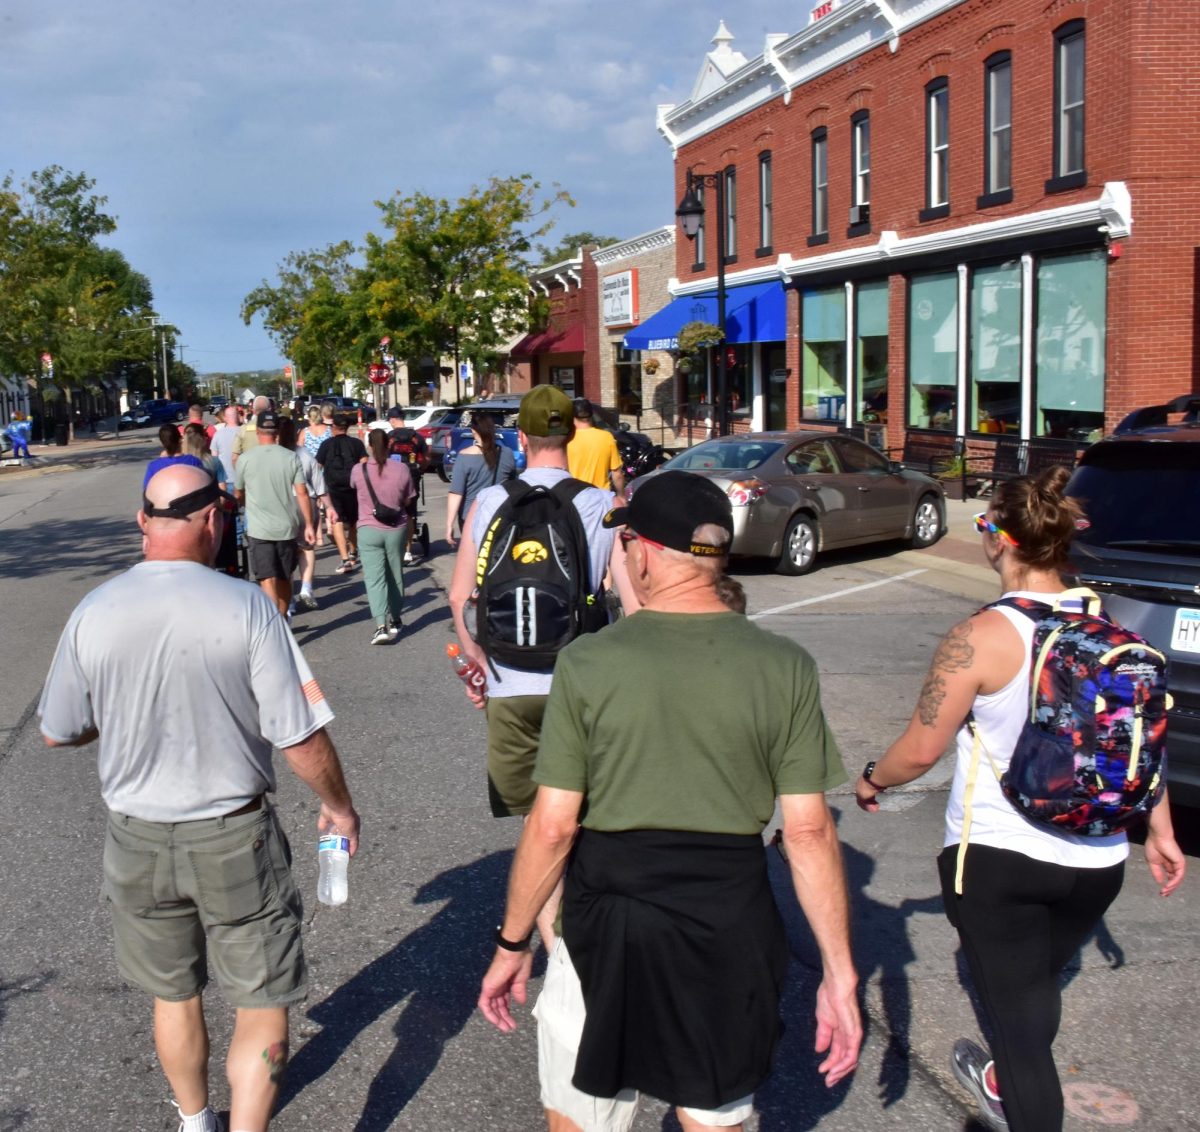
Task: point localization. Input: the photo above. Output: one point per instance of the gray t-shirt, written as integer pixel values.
(592, 505)
(190, 677)
(267, 474)
(221, 447)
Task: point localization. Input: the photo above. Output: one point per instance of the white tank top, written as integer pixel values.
(995, 820)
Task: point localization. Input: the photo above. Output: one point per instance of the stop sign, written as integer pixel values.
(379, 374)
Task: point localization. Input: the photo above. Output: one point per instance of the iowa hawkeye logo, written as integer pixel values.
(529, 552)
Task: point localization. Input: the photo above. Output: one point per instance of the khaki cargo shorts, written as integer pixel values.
(218, 891)
(514, 730)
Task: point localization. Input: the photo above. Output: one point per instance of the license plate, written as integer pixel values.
(1185, 636)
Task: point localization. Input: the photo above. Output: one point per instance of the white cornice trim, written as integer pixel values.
(647, 242)
(789, 61)
(1111, 213)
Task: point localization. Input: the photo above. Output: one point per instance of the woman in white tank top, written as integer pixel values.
(1029, 894)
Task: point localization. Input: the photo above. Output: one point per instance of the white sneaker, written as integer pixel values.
(409, 560)
(382, 636)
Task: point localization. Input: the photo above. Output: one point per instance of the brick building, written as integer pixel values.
(977, 216)
(563, 306)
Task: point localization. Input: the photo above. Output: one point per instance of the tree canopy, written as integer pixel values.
(569, 246)
(442, 278)
(62, 293)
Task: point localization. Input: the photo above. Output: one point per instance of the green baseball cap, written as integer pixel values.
(546, 411)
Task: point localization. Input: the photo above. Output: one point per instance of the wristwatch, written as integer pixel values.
(511, 945)
(869, 770)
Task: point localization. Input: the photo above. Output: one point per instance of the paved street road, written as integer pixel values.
(390, 1038)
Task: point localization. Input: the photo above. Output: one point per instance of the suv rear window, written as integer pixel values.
(1140, 495)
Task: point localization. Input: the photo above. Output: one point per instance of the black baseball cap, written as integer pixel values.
(668, 507)
(395, 413)
(267, 421)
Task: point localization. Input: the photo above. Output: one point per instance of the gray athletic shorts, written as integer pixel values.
(217, 892)
(272, 559)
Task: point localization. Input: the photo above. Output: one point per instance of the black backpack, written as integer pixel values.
(410, 446)
(340, 454)
(532, 588)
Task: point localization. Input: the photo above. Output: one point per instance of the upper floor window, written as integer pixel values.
(765, 203)
(698, 242)
(730, 214)
(861, 156)
(820, 186)
(997, 128)
(1069, 168)
(937, 148)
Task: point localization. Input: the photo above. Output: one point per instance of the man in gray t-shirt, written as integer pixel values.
(270, 481)
(196, 868)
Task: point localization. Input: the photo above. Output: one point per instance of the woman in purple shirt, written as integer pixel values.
(381, 484)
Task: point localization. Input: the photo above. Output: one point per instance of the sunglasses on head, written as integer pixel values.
(983, 523)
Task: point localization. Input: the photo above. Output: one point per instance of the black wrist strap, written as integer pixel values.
(508, 944)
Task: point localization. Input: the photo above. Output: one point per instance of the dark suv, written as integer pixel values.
(1141, 553)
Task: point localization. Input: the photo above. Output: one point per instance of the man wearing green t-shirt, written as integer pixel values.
(657, 779)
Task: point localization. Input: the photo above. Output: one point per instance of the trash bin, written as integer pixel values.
(61, 434)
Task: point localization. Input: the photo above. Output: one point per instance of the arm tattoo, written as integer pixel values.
(955, 652)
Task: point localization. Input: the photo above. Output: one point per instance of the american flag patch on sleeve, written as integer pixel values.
(312, 692)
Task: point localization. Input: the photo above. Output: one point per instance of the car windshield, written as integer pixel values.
(1140, 496)
(735, 455)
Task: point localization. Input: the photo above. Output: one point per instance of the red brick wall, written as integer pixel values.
(1142, 128)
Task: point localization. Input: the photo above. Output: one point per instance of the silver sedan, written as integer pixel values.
(797, 494)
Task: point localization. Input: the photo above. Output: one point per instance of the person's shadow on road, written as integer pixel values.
(795, 1096)
(435, 969)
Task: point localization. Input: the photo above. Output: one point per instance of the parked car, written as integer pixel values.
(160, 410)
(1140, 551)
(216, 404)
(796, 495)
(352, 405)
(135, 416)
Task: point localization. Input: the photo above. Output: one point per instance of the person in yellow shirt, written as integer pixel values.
(592, 454)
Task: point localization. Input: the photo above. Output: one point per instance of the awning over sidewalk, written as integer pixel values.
(568, 341)
(754, 313)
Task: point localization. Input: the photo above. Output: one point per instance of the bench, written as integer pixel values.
(871, 434)
(1012, 458)
(935, 454)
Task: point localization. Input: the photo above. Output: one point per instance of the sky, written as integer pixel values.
(226, 135)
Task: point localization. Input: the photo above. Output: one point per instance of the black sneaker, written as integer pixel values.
(970, 1067)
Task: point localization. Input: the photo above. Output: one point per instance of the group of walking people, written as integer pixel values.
(644, 790)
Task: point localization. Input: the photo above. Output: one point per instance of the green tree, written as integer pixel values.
(61, 293)
(452, 278)
(568, 247)
(308, 311)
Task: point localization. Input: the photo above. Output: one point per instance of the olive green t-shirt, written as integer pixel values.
(685, 721)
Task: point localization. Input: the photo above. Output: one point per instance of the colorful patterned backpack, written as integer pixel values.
(1090, 758)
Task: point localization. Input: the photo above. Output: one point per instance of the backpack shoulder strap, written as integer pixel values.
(1034, 610)
(566, 491)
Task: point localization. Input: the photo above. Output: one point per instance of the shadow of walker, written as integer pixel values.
(435, 969)
(795, 1096)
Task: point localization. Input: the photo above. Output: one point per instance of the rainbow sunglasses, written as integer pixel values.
(983, 523)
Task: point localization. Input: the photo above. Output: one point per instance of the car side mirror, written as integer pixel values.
(623, 426)
(895, 467)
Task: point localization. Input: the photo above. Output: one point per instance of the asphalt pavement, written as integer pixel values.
(390, 1038)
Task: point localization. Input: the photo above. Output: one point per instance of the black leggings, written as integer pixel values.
(1020, 922)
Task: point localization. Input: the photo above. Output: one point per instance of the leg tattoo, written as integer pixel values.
(276, 1055)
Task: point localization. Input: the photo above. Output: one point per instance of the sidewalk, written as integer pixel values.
(87, 450)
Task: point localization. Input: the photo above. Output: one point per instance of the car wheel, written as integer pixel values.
(179, 417)
(926, 523)
(800, 545)
(441, 471)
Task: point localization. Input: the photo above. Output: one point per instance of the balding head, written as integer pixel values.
(193, 538)
(261, 404)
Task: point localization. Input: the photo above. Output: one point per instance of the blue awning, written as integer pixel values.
(754, 313)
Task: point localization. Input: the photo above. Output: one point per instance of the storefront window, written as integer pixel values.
(871, 350)
(627, 365)
(738, 381)
(932, 350)
(1071, 314)
(823, 384)
(996, 349)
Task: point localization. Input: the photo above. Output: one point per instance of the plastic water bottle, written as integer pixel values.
(333, 858)
(468, 671)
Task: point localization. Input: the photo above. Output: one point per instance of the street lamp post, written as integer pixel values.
(691, 215)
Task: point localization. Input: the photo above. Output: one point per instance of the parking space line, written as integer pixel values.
(836, 593)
